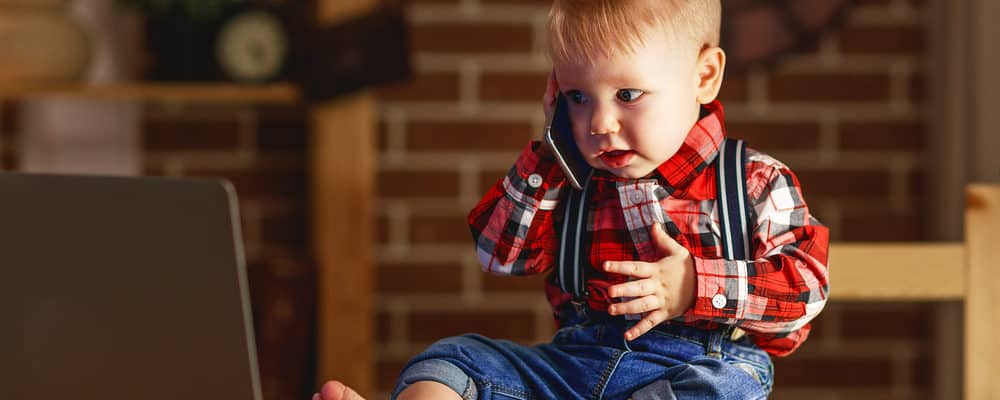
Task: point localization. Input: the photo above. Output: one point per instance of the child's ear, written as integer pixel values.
(711, 67)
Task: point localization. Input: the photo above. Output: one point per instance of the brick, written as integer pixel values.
(178, 134)
(489, 178)
(821, 87)
(881, 228)
(469, 136)
(387, 372)
(767, 136)
(734, 88)
(882, 40)
(382, 137)
(876, 321)
(282, 128)
(452, 229)
(10, 118)
(8, 161)
(918, 88)
(381, 327)
(513, 87)
(797, 372)
(409, 279)
(882, 135)
(417, 183)
(382, 229)
(431, 326)
(853, 183)
(283, 313)
(922, 370)
(471, 38)
(423, 87)
(261, 182)
(918, 186)
(498, 284)
(287, 230)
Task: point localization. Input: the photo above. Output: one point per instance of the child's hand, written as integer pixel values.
(549, 99)
(549, 104)
(664, 289)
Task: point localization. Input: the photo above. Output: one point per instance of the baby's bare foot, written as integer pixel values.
(334, 390)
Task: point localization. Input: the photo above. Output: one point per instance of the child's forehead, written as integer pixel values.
(658, 42)
(621, 64)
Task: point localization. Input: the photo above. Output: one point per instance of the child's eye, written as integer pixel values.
(629, 95)
(577, 97)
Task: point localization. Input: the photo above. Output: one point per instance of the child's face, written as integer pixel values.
(632, 112)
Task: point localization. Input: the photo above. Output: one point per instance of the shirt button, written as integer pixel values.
(535, 181)
(719, 301)
(637, 197)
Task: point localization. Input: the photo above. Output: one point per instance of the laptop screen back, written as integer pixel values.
(123, 288)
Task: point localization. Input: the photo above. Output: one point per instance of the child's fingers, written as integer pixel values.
(551, 92)
(666, 244)
(646, 324)
(634, 288)
(637, 269)
(551, 88)
(315, 396)
(636, 306)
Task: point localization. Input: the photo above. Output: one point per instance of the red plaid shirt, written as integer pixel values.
(772, 298)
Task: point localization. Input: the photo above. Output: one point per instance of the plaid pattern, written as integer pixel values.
(772, 298)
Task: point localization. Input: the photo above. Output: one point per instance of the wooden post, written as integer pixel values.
(982, 313)
(342, 152)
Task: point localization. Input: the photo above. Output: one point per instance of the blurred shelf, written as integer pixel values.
(205, 92)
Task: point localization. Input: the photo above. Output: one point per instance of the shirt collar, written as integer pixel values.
(698, 151)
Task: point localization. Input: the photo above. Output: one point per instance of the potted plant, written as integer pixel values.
(180, 36)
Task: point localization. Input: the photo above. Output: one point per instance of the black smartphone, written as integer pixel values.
(559, 136)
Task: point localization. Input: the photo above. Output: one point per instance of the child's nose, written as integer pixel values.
(603, 122)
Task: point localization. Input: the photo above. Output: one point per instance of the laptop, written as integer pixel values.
(123, 288)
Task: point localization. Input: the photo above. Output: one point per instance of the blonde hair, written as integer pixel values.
(581, 30)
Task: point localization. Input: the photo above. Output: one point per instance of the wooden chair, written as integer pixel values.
(939, 272)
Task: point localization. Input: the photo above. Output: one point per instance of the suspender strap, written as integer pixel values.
(732, 199)
(572, 273)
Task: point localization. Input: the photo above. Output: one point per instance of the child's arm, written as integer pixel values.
(786, 285)
(512, 225)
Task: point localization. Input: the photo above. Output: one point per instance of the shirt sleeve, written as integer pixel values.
(512, 225)
(775, 295)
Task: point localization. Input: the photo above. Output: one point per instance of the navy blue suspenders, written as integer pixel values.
(572, 269)
(731, 183)
(572, 257)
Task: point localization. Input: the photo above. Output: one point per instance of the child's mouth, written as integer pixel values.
(617, 158)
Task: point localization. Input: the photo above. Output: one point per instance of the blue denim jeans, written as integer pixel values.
(593, 361)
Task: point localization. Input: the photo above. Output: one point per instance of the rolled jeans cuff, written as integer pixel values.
(439, 371)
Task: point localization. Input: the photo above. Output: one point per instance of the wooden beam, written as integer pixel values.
(897, 271)
(342, 150)
(342, 185)
(982, 312)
